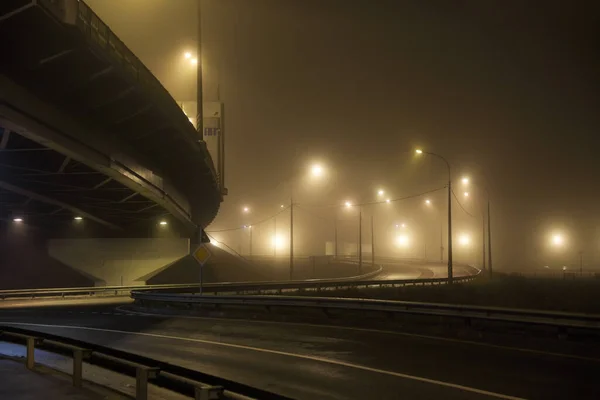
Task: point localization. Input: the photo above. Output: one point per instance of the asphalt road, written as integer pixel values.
(324, 362)
(416, 270)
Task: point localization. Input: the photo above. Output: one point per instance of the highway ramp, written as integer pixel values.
(323, 362)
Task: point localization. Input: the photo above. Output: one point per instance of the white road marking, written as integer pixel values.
(380, 331)
(283, 353)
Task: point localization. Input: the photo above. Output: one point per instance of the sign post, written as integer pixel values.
(201, 255)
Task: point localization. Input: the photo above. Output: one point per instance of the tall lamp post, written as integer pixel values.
(419, 151)
(465, 181)
(316, 171)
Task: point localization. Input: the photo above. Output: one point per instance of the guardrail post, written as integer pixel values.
(208, 392)
(30, 351)
(78, 356)
(142, 374)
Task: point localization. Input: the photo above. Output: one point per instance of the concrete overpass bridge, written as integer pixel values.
(91, 144)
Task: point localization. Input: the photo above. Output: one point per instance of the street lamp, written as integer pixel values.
(428, 202)
(402, 241)
(557, 240)
(348, 204)
(466, 181)
(380, 192)
(466, 194)
(316, 171)
(419, 151)
(246, 210)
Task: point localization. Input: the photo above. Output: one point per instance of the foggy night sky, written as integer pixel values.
(508, 91)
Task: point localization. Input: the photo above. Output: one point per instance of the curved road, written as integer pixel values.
(414, 270)
(325, 362)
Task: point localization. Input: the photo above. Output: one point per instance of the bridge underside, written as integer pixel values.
(87, 131)
(47, 189)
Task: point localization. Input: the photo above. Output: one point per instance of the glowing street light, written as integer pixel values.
(246, 210)
(419, 152)
(387, 200)
(464, 240)
(163, 223)
(380, 192)
(282, 206)
(78, 218)
(403, 225)
(316, 170)
(402, 241)
(466, 194)
(194, 61)
(348, 204)
(428, 202)
(277, 242)
(558, 240)
(465, 181)
(187, 55)
(17, 219)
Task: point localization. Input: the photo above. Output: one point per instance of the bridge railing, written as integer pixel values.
(145, 370)
(560, 320)
(360, 281)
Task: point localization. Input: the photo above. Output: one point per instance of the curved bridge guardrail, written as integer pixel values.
(190, 383)
(560, 320)
(238, 287)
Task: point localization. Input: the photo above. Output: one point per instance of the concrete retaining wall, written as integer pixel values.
(117, 261)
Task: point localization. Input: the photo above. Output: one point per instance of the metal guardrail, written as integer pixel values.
(561, 320)
(241, 287)
(236, 287)
(191, 383)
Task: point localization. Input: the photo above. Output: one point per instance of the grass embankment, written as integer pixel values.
(577, 295)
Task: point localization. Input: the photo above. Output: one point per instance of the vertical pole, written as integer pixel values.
(291, 237)
(141, 383)
(335, 236)
(274, 240)
(489, 224)
(441, 241)
(360, 240)
(250, 248)
(372, 242)
(450, 278)
(483, 240)
(581, 263)
(199, 116)
(77, 367)
(197, 240)
(30, 352)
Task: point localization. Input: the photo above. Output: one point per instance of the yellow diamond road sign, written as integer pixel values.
(201, 254)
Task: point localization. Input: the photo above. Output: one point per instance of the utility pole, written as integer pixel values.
(292, 235)
(441, 241)
(360, 240)
(483, 239)
(489, 238)
(335, 237)
(372, 242)
(250, 247)
(450, 277)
